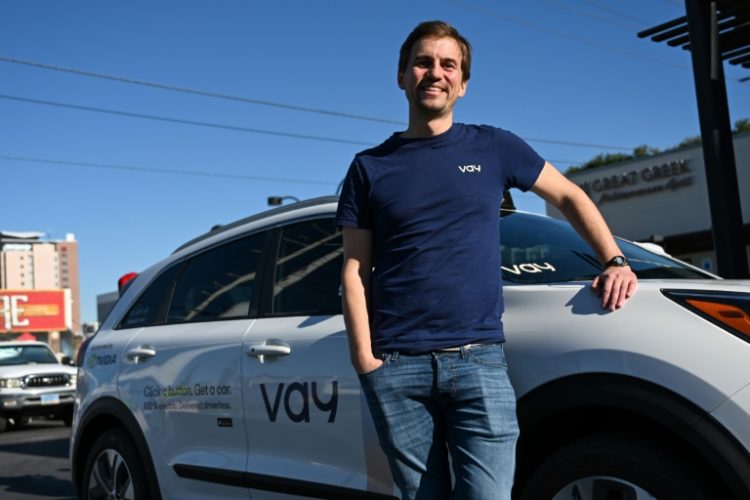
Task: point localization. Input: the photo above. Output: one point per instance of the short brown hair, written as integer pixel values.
(438, 29)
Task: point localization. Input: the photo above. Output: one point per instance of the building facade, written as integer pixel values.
(39, 289)
(664, 199)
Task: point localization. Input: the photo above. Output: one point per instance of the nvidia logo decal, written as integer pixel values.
(103, 360)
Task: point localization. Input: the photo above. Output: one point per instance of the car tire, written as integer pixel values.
(114, 469)
(67, 419)
(21, 422)
(3, 424)
(617, 465)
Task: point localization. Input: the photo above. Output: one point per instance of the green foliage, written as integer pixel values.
(599, 161)
(693, 140)
(644, 150)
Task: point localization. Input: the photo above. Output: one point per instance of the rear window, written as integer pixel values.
(537, 249)
(151, 307)
(216, 284)
(307, 278)
(219, 283)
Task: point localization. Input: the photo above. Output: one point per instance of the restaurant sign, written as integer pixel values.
(668, 176)
(35, 310)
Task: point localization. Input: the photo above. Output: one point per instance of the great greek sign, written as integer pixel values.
(668, 176)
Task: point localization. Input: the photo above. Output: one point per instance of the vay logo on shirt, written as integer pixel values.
(470, 169)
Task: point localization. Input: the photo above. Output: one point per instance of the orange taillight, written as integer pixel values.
(730, 315)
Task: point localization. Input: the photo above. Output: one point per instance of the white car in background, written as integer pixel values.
(223, 372)
(33, 383)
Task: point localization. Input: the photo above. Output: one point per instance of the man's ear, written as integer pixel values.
(462, 90)
(400, 80)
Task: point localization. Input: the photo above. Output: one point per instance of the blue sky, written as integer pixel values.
(570, 71)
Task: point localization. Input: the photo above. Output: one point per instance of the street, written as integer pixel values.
(34, 462)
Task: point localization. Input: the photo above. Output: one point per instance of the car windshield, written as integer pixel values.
(538, 249)
(22, 355)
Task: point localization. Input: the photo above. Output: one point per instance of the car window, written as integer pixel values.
(151, 307)
(307, 276)
(21, 355)
(218, 283)
(537, 249)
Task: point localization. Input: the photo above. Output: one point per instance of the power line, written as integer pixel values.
(223, 96)
(561, 34)
(565, 162)
(193, 173)
(576, 144)
(586, 13)
(615, 12)
(182, 121)
(574, 38)
(165, 171)
(205, 93)
(262, 131)
(674, 3)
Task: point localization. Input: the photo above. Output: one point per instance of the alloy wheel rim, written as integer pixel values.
(110, 478)
(608, 486)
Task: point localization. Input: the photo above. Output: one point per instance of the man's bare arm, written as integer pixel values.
(615, 284)
(355, 293)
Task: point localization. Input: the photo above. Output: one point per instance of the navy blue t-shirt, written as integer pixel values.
(433, 208)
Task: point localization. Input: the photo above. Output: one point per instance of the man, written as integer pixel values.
(422, 292)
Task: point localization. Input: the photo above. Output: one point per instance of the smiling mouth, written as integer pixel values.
(431, 90)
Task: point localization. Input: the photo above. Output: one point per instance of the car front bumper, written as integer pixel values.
(35, 403)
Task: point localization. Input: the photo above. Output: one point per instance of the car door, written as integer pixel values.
(183, 377)
(308, 427)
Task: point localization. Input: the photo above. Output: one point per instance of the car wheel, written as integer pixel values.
(21, 421)
(114, 470)
(615, 465)
(3, 424)
(67, 419)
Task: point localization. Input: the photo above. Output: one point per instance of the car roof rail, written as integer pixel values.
(220, 228)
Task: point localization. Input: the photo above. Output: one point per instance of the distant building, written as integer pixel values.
(664, 199)
(39, 288)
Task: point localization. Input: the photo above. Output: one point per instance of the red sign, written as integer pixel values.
(34, 310)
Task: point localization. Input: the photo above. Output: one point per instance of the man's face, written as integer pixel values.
(433, 80)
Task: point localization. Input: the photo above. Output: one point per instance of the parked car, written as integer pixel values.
(223, 372)
(33, 383)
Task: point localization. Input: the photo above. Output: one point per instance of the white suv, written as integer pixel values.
(223, 372)
(34, 383)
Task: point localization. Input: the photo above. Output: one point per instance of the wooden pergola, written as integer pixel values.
(714, 32)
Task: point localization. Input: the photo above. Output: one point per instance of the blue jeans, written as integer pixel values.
(428, 406)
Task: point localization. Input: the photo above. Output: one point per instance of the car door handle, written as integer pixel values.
(269, 348)
(141, 354)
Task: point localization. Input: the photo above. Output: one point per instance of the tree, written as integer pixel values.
(644, 150)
